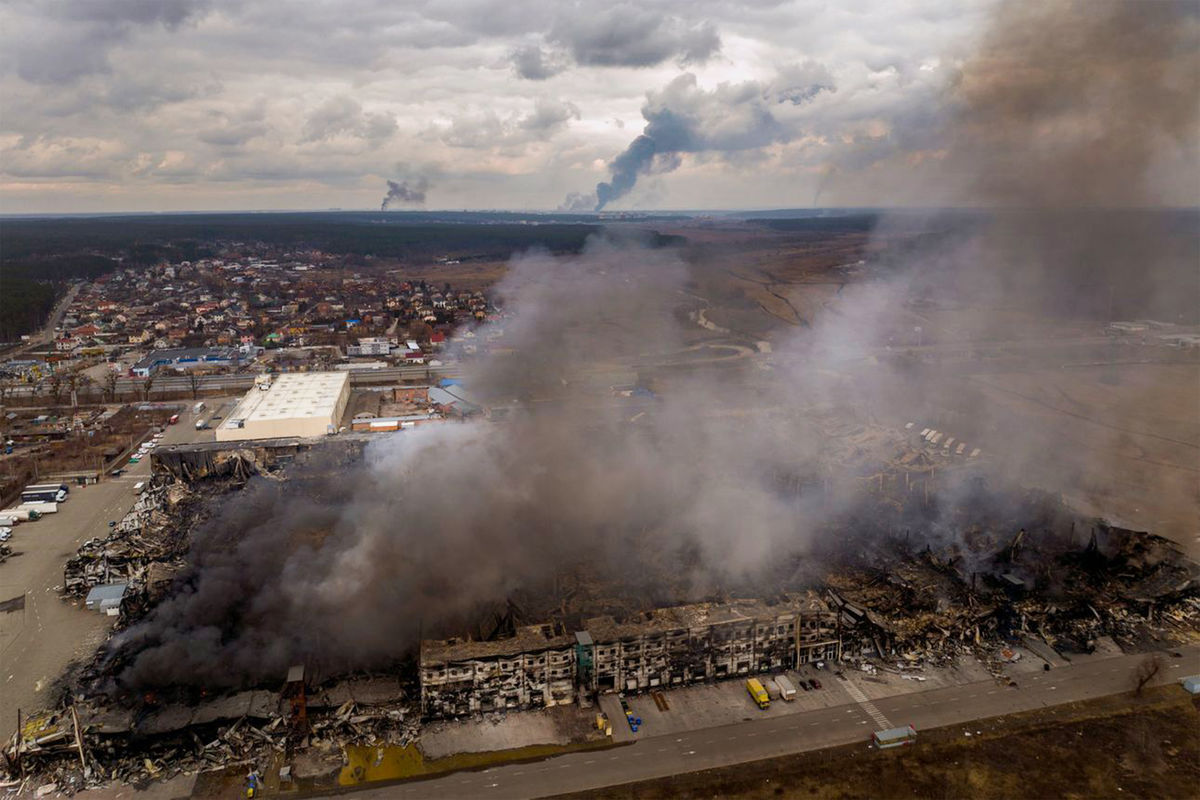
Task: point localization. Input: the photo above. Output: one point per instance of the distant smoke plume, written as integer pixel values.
(683, 118)
(411, 192)
(576, 201)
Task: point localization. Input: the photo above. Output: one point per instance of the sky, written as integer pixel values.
(164, 105)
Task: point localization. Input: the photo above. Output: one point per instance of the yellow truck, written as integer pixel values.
(758, 693)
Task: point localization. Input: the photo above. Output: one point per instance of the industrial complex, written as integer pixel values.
(294, 404)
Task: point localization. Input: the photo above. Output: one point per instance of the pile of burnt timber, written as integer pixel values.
(92, 742)
(934, 606)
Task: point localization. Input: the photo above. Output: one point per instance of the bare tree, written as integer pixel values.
(7, 385)
(77, 380)
(55, 383)
(195, 383)
(147, 385)
(110, 384)
(1146, 671)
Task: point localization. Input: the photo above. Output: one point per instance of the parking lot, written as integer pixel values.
(38, 641)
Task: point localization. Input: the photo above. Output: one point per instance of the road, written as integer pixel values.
(36, 644)
(661, 756)
(46, 333)
(245, 380)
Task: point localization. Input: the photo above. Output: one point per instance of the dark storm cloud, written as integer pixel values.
(618, 36)
(632, 36)
(233, 135)
(75, 36)
(536, 63)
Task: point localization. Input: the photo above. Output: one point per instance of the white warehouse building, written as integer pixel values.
(296, 404)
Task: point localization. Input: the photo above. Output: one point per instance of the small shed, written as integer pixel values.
(106, 598)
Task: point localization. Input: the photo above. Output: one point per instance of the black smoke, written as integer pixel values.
(411, 192)
(732, 118)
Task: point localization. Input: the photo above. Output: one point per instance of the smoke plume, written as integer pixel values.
(684, 118)
(1065, 108)
(343, 567)
(411, 192)
(1070, 133)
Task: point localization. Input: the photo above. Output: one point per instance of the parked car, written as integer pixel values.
(805, 685)
(816, 684)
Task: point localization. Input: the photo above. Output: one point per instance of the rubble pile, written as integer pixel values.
(934, 606)
(144, 550)
(95, 742)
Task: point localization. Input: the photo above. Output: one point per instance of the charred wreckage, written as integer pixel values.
(900, 603)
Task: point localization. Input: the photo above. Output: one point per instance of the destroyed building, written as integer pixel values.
(541, 667)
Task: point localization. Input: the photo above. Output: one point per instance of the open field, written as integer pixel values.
(1110, 747)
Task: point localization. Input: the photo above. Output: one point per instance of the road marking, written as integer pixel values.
(866, 705)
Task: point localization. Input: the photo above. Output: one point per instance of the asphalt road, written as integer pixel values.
(37, 643)
(244, 380)
(656, 757)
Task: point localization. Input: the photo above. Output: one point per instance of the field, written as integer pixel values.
(1113, 747)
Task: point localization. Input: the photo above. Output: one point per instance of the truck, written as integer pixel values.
(787, 692)
(45, 493)
(41, 508)
(758, 693)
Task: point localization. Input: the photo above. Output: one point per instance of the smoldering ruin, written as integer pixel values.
(739, 519)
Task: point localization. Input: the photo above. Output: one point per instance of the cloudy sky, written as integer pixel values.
(233, 104)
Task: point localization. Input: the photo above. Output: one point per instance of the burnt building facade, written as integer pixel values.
(662, 648)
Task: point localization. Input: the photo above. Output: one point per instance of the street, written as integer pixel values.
(660, 756)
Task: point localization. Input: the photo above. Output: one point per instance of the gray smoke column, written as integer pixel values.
(684, 118)
(344, 566)
(1071, 132)
(1078, 121)
(408, 191)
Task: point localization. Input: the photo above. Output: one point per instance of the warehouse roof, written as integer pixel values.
(292, 396)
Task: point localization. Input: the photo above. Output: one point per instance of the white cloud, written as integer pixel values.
(115, 104)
